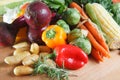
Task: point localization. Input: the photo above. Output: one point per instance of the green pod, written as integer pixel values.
(83, 43)
(64, 25)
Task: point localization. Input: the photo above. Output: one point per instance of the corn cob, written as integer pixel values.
(105, 21)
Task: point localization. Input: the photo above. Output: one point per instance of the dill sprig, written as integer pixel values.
(54, 73)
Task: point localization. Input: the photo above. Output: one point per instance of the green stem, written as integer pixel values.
(52, 55)
(50, 33)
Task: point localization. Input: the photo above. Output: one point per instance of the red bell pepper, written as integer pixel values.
(71, 57)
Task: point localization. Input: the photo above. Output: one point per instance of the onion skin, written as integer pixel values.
(7, 34)
(34, 35)
(19, 22)
(37, 15)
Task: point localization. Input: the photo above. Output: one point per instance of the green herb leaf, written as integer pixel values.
(41, 67)
(57, 5)
(106, 3)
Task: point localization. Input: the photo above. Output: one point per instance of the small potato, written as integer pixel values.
(30, 60)
(20, 50)
(34, 48)
(17, 59)
(21, 45)
(22, 70)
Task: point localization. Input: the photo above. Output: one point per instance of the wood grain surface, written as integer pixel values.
(107, 70)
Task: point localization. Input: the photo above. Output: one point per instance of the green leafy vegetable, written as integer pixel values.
(57, 5)
(116, 12)
(106, 3)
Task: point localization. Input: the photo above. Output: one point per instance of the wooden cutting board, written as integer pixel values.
(107, 70)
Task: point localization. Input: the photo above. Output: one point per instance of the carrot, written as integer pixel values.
(94, 43)
(90, 26)
(96, 35)
(24, 6)
(44, 49)
(22, 9)
(76, 6)
(96, 55)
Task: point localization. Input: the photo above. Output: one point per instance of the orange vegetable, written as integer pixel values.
(22, 9)
(54, 35)
(21, 35)
(89, 25)
(96, 55)
(76, 6)
(95, 44)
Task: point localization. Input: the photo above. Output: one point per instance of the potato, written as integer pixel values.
(17, 59)
(30, 60)
(34, 48)
(21, 45)
(22, 70)
(20, 50)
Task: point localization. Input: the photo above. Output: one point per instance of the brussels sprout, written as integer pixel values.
(71, 16)
(64, 25)
(76, 33)
(83, 43)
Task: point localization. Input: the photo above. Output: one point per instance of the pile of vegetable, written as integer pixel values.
(53, 36)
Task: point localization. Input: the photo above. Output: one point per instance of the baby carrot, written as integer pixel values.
(76, 6)
(90, 26)
(96, 55)
(94, 43)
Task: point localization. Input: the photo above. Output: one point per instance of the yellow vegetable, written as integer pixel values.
(54, 35)
(108, 25)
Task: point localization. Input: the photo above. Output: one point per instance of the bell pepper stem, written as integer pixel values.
(52, 55)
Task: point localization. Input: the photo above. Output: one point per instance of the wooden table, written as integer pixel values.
(108, 70)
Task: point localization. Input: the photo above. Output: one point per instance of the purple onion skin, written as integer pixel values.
(34, 35)
(7, 34)
(19, 22)
(37, 15)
